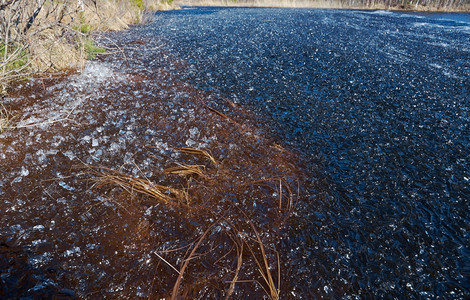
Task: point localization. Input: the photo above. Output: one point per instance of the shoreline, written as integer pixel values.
(327, 5)
(59, 36)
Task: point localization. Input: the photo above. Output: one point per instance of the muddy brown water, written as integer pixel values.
(70, 229)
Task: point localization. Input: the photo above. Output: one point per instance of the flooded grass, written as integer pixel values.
(144, 177)
(116, 184)
(376, 102)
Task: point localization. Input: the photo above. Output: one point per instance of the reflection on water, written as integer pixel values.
(459, 17)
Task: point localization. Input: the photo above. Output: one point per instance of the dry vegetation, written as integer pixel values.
(247, 221)
(38, 36)
(48, 36)
(5, 118)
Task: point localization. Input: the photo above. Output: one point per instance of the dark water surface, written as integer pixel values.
(379, 103)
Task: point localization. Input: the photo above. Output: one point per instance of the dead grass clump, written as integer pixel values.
(44, 36)
(264, 267)
(51, 51)
(6, 118)
(200, 152)
(231, 254)
(165, 194)
(249, 252)
(187, 170)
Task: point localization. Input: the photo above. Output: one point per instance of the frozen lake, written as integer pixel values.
(380, 102)
(373, 105)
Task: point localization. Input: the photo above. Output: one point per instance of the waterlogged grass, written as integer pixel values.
(200, 191)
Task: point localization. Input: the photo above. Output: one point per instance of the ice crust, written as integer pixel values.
(110, 115)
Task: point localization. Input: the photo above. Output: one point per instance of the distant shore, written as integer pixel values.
(336, 4)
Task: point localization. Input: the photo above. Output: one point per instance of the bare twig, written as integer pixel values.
(165, 261)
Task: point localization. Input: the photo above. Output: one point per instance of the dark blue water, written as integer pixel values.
(378, 105)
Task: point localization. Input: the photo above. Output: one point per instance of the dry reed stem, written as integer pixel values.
(187, 170)
(239, 248)
(165, 261)
(264, 271)
(221, 114)
(167, 195)
(174, 294)
(197, 152)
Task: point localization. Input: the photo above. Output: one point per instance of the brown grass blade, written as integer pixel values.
(239, 247)
(197, 152)
(176, 287)
(187, 170)
(222, 115)
(263, 267)
(165, 194)
(264, 270)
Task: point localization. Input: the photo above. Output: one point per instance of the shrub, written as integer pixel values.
(139, 4)
(14, 61)
(91, 49)
(15, 55)
(83, 28)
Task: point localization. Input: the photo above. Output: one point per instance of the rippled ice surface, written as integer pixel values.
(379, 102)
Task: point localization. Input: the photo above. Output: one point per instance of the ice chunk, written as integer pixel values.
(16, 229)
(190, 143)
(24, 171)
(37, 242)
(194, 133)
(17, 179)
(41, 155)
(69, 154)
(38, 227)
(66, 186)
(74, 250)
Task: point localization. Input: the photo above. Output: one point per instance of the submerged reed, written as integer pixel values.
(241, 255)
